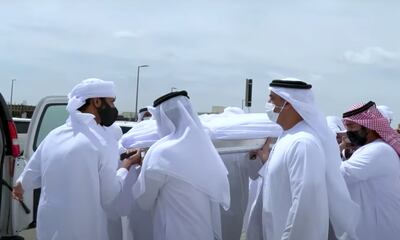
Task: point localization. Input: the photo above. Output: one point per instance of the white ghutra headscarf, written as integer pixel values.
(185, 152)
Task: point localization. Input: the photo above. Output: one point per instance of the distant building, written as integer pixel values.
(21, 110)
(217, 109)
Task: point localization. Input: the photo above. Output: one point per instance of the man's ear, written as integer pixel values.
(372, 133)
(96, 102)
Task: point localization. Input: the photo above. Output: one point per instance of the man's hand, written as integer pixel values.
(264, 152)
(345, 144)
(261, 154)
(18, 192)
(347, 148)
(136, 158)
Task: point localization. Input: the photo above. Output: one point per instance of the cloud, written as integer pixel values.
(371, 55)
(207, 47)
(124, 34)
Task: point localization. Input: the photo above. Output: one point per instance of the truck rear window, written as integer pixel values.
(22, 127)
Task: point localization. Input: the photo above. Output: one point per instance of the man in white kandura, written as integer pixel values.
(144, 114)
(76, 168)
(303, 190)
(372, 173)
(182, 177)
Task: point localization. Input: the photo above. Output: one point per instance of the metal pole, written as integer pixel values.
(137, 90)
(11, 96)
(137, 93)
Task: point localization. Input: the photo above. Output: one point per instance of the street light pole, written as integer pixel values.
(11, 96)
(137, 89)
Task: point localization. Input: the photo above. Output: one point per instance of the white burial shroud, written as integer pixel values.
(231, 132)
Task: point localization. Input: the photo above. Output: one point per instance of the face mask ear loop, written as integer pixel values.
(281, 108)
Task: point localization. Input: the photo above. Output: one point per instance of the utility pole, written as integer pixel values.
(11, 95)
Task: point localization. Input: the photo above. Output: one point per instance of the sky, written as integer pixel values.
(349, 50)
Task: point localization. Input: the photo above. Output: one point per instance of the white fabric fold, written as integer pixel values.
(335, 124)
(240, 126)
(142, 135)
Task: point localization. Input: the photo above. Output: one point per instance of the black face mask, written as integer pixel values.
(358, 138)
(108, 114)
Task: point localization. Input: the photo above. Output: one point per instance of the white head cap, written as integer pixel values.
(89, 88)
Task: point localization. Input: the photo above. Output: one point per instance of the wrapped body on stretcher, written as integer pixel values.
(230, 133)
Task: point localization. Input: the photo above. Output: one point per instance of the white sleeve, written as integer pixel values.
(153, 184)
(368, 163)
(305, 184)
(31, 176)
(124, 201)
(111, 181)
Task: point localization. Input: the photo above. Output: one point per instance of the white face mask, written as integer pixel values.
(273, 116)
